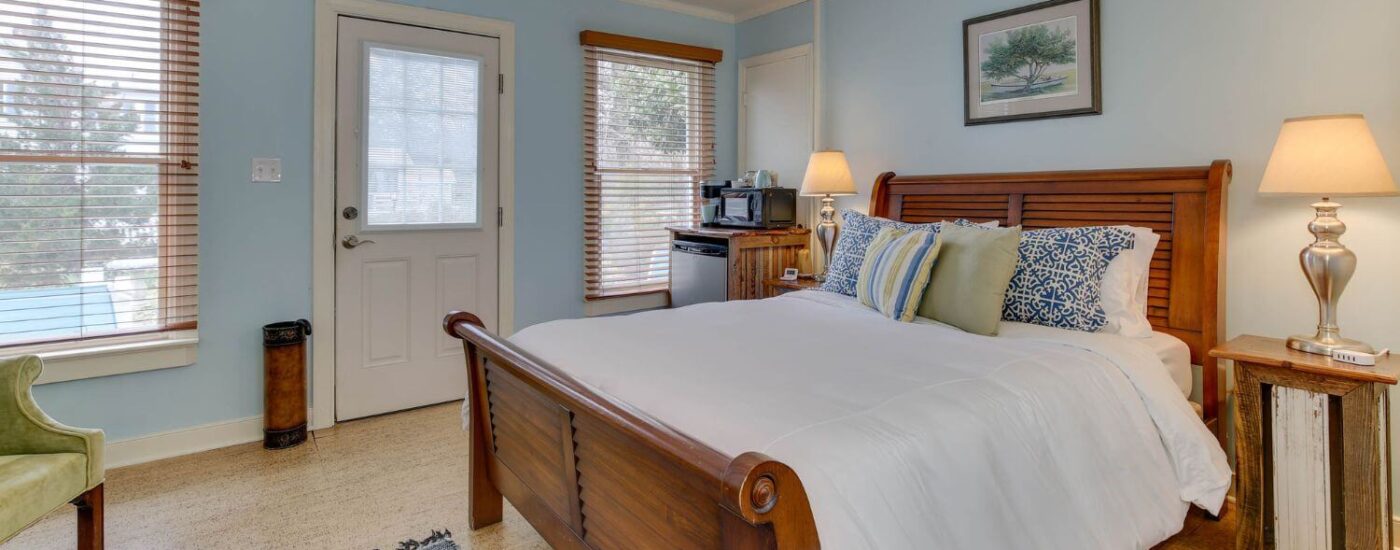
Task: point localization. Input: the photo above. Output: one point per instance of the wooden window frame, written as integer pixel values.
(699, 63)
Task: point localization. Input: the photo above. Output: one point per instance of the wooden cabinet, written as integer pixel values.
(755, 255)
(1312, 448)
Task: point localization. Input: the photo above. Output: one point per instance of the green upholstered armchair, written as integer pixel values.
(44, 464)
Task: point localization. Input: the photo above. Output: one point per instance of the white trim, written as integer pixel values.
(1395, 528)
(183, 441)
(323, 175)
(66, 361)
(766, 8)
(819, 260)
(690, 9)
(716, 14)
(818, 85)
(626, 304)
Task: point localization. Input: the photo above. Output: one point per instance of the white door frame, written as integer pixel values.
(323, 175)
(764, 59)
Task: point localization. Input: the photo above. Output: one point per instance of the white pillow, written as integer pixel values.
(1123, 293)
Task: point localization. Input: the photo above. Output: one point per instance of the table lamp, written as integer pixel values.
(827, 176)
(1327, 156)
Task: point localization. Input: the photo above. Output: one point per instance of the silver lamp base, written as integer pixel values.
(1325, 346)
(1329, 266)
(826, 234)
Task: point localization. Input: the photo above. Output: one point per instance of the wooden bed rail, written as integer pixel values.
(589, 471)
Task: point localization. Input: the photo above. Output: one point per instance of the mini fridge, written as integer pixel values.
(699, 272)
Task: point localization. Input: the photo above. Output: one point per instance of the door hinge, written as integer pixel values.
(500, 216)
(501, 83)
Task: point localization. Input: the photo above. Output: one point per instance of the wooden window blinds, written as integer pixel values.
(648, 112)
(99, 129)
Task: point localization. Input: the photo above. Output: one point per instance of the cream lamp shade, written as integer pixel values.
(1327, 156)
(828, 174)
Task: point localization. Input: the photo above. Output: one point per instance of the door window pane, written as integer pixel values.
(421, 139)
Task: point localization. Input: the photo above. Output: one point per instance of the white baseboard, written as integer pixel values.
(183, 441)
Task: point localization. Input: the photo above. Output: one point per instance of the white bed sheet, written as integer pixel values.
(1176, 357)
(1174, 353)
(913, 435)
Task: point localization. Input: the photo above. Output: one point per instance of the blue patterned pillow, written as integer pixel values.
(1058, 277)
(857, 230)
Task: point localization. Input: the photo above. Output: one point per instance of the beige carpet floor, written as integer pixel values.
(362, 485)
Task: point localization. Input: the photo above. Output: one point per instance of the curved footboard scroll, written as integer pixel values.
(589, 471)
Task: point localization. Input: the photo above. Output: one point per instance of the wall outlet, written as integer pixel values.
(267, 170)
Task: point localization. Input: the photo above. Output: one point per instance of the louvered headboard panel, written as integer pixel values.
(1185, 206)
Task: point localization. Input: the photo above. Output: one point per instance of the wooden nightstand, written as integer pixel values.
(1311, 446)
(755, 255)
(778, 287)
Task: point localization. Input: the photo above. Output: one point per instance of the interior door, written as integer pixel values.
(776, 123)
(416, 209)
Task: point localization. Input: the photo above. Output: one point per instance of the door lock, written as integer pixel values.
(352, 241)
(350, 213)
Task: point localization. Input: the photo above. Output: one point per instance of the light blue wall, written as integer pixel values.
(782, 29)
(1184, 82)
(255, 240)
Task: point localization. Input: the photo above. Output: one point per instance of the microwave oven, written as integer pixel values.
(767, 207)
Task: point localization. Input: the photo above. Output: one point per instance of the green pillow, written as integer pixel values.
(969, 281)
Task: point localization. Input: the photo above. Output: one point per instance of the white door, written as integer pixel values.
(776, 122)
(416, 210)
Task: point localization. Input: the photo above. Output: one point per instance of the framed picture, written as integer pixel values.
(1036, 61)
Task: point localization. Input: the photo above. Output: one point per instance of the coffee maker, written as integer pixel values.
(710, 196)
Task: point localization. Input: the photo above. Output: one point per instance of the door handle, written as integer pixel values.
(352, 241)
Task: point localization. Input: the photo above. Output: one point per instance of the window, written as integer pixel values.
(421, 139)
(648, 142)
(98, 168)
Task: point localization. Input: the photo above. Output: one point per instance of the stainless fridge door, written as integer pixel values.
(699, 273)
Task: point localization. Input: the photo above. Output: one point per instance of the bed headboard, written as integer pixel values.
(1185, 206)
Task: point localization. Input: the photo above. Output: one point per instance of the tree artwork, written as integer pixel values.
(1026, 53)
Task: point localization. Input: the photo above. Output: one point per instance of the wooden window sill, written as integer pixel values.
(626, 303)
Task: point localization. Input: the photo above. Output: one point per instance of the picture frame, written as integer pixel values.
(1064, 80)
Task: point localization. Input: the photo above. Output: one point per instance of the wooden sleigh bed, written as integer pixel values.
(588, 471)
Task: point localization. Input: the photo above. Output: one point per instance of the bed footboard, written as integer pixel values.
(588, 471)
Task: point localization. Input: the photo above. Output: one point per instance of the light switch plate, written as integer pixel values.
(267, 170)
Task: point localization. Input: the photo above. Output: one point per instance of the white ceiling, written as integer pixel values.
(729, 11)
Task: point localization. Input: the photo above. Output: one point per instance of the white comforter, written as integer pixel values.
(917, 435)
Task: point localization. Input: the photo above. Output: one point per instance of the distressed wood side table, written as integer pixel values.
(1311, 446)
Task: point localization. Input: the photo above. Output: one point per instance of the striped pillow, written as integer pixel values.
(857, 230)
(896, 270)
